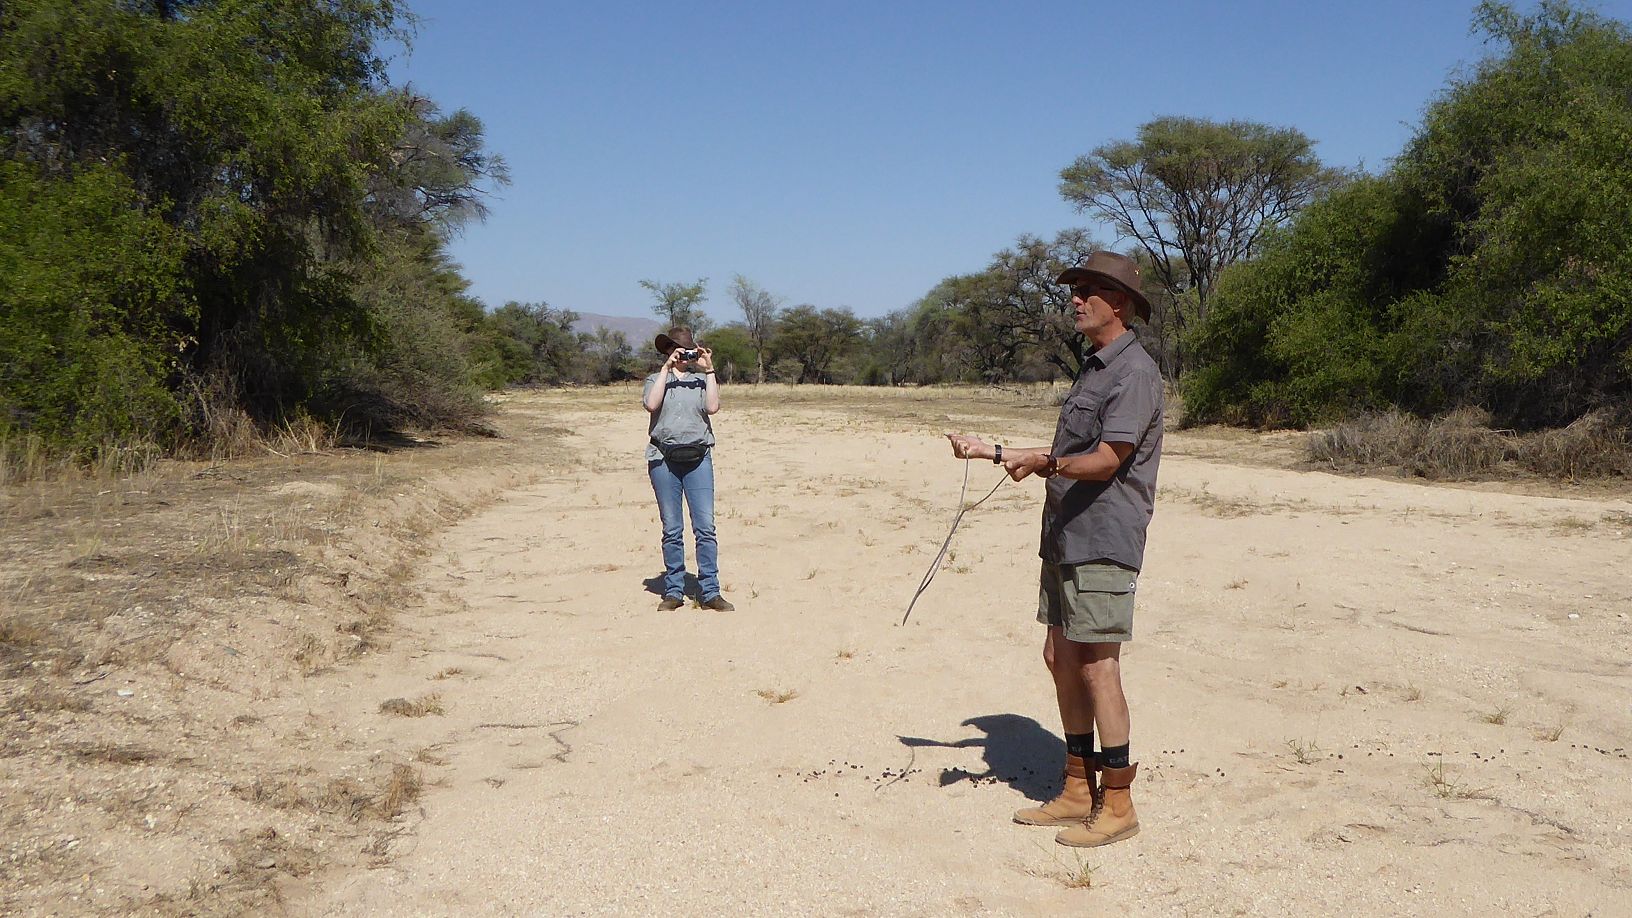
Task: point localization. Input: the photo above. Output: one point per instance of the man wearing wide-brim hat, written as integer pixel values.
(1100, 477)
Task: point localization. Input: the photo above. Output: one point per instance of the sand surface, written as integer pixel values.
(1350, 696)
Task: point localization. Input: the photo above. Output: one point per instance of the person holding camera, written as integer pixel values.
(679, 459)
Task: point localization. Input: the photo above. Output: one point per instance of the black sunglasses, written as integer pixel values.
(1084, 291)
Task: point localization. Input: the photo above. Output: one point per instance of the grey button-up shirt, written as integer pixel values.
(684, 415)
(1116, 399)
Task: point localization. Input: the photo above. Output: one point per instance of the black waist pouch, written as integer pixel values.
(681, 453)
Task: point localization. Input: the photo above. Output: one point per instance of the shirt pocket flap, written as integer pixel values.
(1104, 580)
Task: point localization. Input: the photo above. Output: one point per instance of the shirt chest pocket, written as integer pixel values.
(1083, 419)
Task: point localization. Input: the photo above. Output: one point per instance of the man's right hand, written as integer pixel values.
(967, 447)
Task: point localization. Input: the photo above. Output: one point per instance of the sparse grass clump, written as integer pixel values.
(402, 787)
(1462, 444)
(778, 696)
(1304, 752)
(1497, 717)
(44, 699)
(419, 707)
(21, 634)
(1441, 782)
(1596, 445)
(1078, 874)
(1455, 446)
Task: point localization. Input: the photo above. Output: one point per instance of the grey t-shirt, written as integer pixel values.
(1117, 399)
(683, 417)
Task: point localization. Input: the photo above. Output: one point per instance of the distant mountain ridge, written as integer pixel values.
(639, 331)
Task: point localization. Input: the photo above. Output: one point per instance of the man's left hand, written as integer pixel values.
(1024, 464)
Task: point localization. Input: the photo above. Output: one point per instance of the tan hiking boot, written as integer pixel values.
(1076, 802)
(1115, 819)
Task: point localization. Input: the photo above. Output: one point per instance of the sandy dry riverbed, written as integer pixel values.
(434, 681)
(1350, 696)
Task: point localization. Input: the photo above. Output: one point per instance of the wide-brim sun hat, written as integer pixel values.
(678, 336)
(1120, 271)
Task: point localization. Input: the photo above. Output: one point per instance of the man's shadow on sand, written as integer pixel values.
(1018, 752)
(654, 585)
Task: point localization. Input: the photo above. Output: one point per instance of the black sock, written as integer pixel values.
(1114, 756)
(1080, 744)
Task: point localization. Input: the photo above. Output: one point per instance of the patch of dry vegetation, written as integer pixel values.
(158, 619)
(1462, 445)
(419, 707)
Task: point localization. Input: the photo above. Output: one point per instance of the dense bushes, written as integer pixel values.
(85, 335)
(215, 215)
(1490, 266)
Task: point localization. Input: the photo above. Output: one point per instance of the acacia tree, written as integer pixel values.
(1197, 196)
(759, 314)
(678, 302)
(1029, 305)
(816, 338)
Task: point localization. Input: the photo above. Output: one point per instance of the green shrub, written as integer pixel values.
(87, 283)
(1490, 265)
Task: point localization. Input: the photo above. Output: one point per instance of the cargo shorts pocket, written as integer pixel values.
(1101, 607)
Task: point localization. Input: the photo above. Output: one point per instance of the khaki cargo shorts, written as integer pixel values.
(1092, 602)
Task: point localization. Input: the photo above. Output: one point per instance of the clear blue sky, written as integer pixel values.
(855, 153)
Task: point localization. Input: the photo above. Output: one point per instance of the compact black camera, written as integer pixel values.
(688, 354)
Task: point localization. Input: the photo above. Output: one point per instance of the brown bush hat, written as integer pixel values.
(1119, 270)
(678, 336)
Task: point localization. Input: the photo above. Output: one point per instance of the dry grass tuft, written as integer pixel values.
(302, 434)
(778, 696)
(403, 787)
(845, 653)
(1079, 874)
(1412, 693)
(1445, 787)
(113, 754)
(1596, 445)
(1551, 734)
(1304, 752)
(310, 654)
(419, 707)
(448, 673)
(1441, 783)
(1462, 445)
(1455, 446)
(45, 699)
(20, 634)
(1497, 717)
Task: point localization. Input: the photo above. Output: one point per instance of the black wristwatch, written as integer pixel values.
(997, 454)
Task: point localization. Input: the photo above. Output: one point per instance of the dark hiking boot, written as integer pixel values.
(719, 604)
(670, 603)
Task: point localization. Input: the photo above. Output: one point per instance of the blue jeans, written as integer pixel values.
(695, 483)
